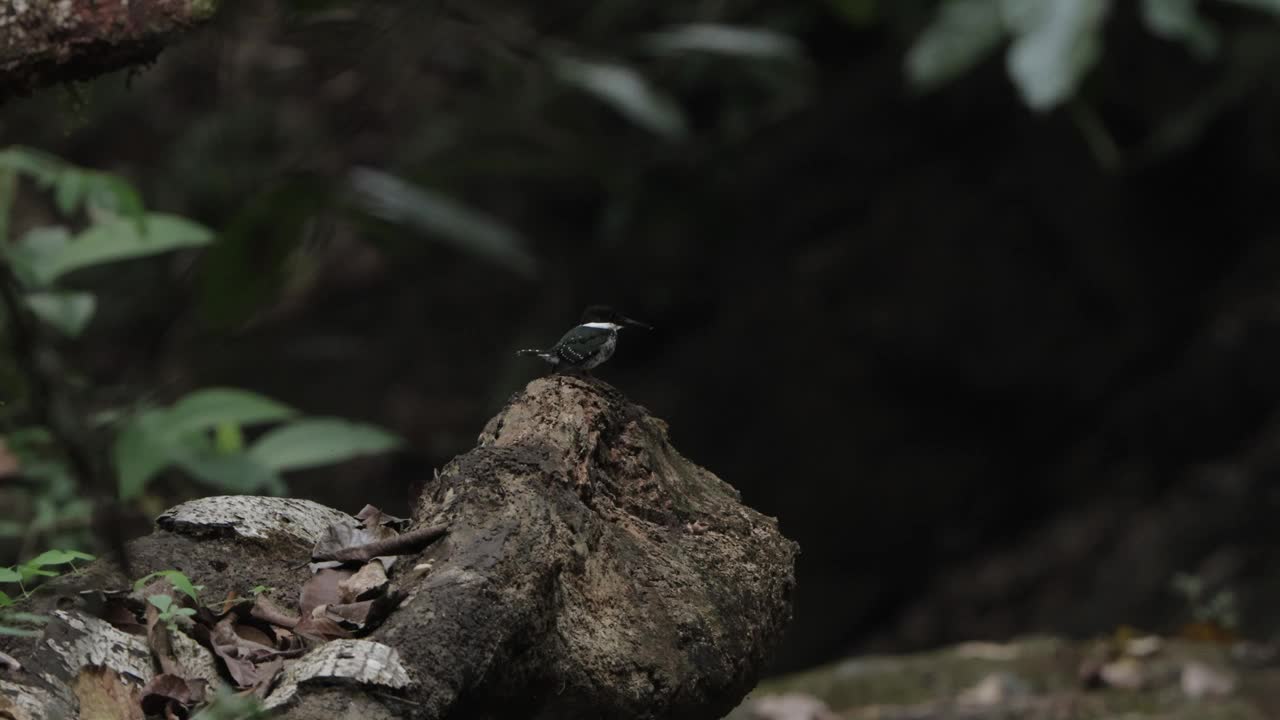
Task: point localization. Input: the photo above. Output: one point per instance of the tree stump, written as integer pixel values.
(589, 570)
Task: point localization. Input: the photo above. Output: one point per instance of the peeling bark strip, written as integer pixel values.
(48, 41)
(589, 570)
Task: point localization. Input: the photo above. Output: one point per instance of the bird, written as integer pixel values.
(588, 344)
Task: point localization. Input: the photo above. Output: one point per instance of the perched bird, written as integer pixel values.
(588, 344)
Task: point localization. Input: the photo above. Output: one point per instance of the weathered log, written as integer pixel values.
(48, 41)
(589, 570)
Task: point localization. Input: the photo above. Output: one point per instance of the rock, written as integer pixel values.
(789, 706)
(1201, 680)
(998, 688)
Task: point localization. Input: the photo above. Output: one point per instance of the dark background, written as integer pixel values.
(992, 376)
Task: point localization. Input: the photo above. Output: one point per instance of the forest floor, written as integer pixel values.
(1127, 676)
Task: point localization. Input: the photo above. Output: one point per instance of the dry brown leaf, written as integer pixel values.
(266, 610)
(167, 690)
(368, 582)
(251, 634)
(372, 517)
(322, 589)
(321, 628)
(122, 616)
(248, 662)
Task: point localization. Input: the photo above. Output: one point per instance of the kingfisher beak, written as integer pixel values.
(634, 323)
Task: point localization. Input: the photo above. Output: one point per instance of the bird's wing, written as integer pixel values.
(581, 343)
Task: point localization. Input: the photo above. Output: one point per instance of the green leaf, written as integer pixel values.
(65, 311)
(5, 600)
(68, 189)
(186, 612)
(163, 602)
(962, 34)
(32, 252)
(121, 239)
(40, 166)
(28, 571)
(394, 200)
(18, 632)
(319, 441)
(11, 529)
(178, 580)
(25, 617)
(139, 452)
(228, 438)
(1179, 20)
(626, 91)
(228, 473)
(57, 557)
(9, 575)
(726, 40)
(1055, 45)
(205, 409)
(111, 192)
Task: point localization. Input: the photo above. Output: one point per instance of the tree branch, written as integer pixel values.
(52, 41)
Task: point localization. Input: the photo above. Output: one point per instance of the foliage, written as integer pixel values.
(1052, 45)
(170, 613)
(177, 579)
(230, 705)
(1219, 607)
(38, 567)
(201, 434)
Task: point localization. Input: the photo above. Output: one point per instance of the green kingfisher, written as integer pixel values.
(588, 344)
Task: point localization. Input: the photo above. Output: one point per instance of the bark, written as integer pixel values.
(589, 570)
(48, 41)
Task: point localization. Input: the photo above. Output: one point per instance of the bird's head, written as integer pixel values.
(606, 314)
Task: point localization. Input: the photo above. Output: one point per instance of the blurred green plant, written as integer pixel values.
(201, 434)
(230, 705)
(1052, 45)
(1219, 607)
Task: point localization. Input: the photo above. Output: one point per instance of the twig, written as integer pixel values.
(402, 544)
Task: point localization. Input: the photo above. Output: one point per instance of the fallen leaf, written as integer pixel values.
(122, 616)
(321, 628)
(1200, 680)
(369, 581)
(372, 517)
(266, 610)
(166, 690)
(252, 634)
(239, 655)
(322, 589)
